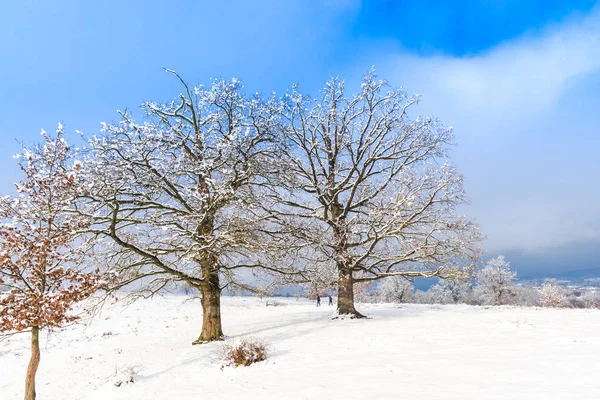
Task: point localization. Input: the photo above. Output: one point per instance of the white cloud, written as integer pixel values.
(524, 143)
(527, 74)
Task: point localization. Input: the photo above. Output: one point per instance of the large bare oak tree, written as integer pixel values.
(179, 194)
(374, 186)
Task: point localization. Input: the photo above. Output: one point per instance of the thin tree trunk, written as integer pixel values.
(34, 362)
(345, 305)
(211, 309)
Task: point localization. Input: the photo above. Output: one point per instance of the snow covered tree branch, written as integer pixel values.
(495, 282)
(181, 194)
(367, 177)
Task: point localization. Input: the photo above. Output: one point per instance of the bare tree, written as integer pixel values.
(180, 194)
(365, 181)
(395, 289)
(452, 291)
(41, 248)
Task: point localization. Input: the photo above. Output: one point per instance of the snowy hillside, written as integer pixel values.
(424, 351)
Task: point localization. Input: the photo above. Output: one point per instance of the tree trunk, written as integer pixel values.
(345, 305)
(34, 362)
(210, 287)
(211, 309)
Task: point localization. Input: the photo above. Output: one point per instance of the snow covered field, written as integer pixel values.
(412, 351)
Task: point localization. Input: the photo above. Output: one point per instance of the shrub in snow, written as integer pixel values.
(495, 284)
(125, 376)
(585, 297)
(553, 295)
(395, 289)
(272, 303)
(590, 299)
(244, 352)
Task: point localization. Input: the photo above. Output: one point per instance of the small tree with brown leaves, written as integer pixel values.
(41, 248)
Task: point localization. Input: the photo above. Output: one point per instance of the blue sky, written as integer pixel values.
(518, 79)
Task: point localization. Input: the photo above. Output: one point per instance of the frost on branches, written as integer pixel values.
(552, 294)
(395, 289)
(452, 291)
(40, 249)
(366, 183)
(181, 194)
(495, 283)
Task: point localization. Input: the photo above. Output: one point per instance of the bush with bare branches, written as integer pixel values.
(244, 352)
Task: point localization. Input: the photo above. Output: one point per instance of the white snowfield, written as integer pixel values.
(408, 351)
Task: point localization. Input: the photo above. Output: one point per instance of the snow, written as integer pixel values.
(428, 352)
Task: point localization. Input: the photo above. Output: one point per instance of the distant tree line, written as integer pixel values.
(494, 284)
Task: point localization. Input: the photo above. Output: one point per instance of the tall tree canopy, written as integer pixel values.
(374, 186)
(180, 193)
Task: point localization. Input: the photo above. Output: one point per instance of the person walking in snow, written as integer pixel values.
(330, 300)
(318, 301)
